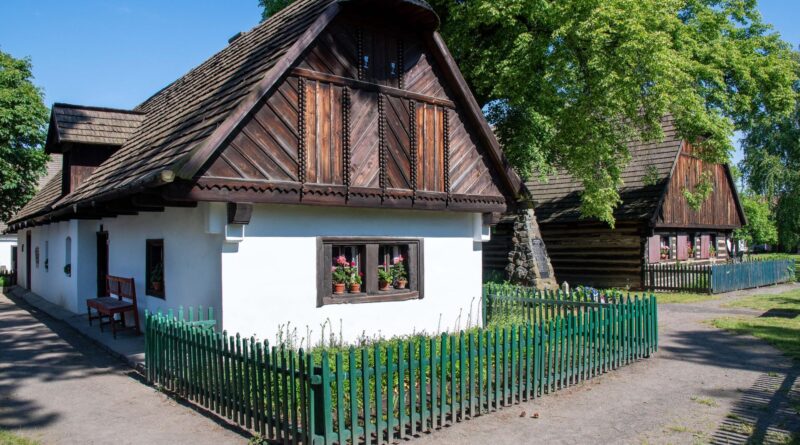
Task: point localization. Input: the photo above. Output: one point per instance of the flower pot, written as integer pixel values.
(355, 288)
(338, 288)
(401, 284)
(384, 285)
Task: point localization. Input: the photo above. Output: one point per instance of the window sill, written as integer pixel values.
(379, 297)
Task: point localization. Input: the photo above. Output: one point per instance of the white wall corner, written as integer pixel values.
(234, 233)
(481, 232)
(215, 215)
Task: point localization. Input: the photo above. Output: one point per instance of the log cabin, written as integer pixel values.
(334, 133)
(654, 222)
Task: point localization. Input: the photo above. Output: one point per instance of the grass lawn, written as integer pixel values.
(8, 438)
(668, 298)
(779, 325)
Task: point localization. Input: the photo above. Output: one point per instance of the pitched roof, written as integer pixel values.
(645, 178)
(186, 112)
(90, 125)
(43, 200)
(52, 169)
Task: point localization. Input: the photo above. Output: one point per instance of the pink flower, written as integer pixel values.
(342, 261)
(398, 259)
(352, 264)
(333, 268)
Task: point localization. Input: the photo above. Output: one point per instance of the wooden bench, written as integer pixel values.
(125, 292)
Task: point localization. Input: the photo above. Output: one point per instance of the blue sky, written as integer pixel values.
(117, 53)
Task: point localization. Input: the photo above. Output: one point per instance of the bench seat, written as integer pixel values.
(122, 300)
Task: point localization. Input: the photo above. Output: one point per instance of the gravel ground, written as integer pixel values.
(59, 388)
(702, 386)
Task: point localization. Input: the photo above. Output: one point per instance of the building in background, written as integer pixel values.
(655, 223)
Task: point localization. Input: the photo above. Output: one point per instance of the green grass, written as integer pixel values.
(779, 325)
(707, 401)
(667, 298)
(8, 438)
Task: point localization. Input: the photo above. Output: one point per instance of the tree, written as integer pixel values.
(771, 166)
(270, 7)
(760, 228)
(23, 119)
(567, 82)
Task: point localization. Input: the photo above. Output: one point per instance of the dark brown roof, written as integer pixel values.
(43, 201)
(182, 115)
(558, 199)
(91, 125)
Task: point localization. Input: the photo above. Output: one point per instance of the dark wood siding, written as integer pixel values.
(718, 211)
(593, 254)
(364, 114)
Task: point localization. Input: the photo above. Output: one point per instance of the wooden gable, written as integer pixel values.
(363, 117)
(721, 210)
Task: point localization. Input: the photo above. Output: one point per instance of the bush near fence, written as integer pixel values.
(394, 389)
(717, 278)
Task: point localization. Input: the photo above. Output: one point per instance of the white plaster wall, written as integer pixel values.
(6, 243)
(52, 283)
(192, 257)
(269, 279)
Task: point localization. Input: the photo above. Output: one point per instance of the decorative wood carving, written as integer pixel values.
(446, 148)
(382, 144)
(412, 113)
(346, 137)
(301, 130)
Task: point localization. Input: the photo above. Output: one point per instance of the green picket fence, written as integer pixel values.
(260, 388)
(398, 388)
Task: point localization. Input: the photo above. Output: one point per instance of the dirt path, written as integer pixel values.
(703, 386)
(58, 387)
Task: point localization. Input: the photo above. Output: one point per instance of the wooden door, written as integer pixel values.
(102, 263)
(28, 260)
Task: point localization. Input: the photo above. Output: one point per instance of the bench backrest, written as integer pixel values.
(121, 287)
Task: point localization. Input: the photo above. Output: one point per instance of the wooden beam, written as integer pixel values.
(369, 86)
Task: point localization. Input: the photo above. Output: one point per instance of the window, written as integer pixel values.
(388, 269)
(68, 256)
(154, 260)
(46, 256)
(36, 256)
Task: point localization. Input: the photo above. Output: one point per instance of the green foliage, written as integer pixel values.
(761, 227)
(385, 274)
(566, 83)
(650, 176)
(271, 7)
(702, 190)
(771, 166)
(575, 79)
(23, 117)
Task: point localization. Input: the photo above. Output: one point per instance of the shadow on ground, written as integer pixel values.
(767, 412)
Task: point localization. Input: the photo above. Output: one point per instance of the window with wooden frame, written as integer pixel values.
(367, 270)
(154, 267)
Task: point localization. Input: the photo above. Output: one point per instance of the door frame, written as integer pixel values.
(102, 266)
(28, 260)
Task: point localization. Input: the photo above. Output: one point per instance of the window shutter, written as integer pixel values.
(654, 248)
(705, 245)
(683, 248)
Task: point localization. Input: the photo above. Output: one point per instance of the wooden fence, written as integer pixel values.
(717, 278)
(398, 388)
(678, 277)
(746, 275)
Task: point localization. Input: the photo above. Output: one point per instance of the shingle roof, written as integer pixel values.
(182, 115)
(52, 169)
(558, 199)
(92, 125)
(43, 200)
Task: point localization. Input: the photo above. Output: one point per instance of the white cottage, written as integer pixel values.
(333, 129)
